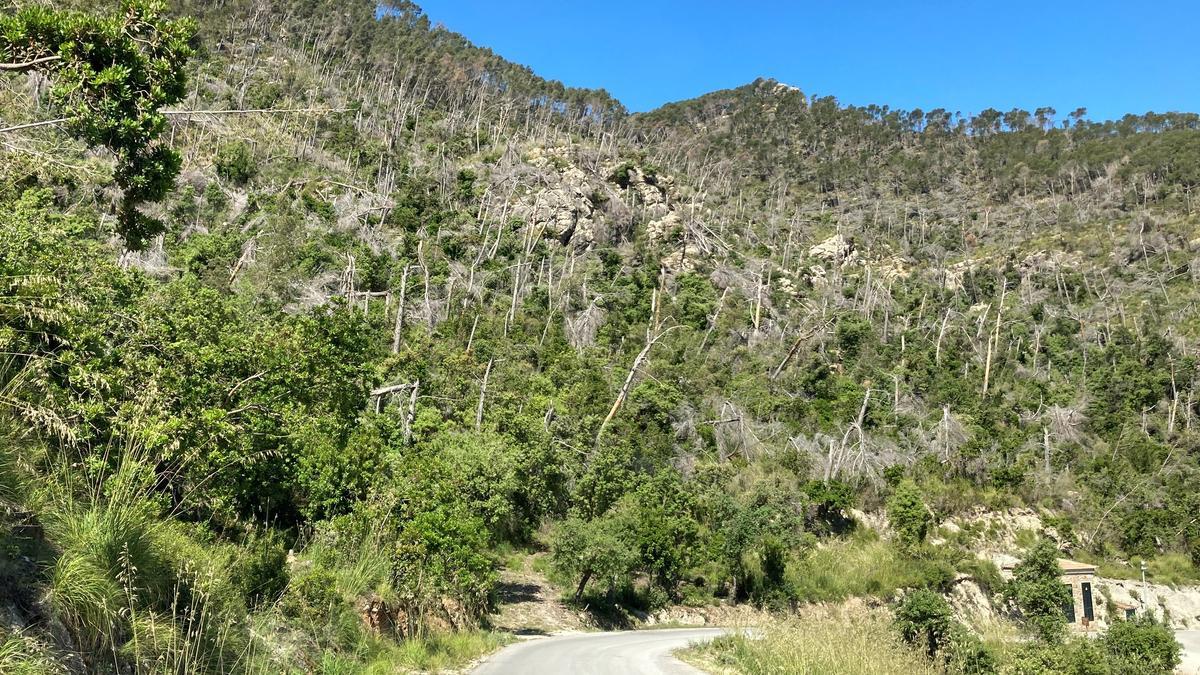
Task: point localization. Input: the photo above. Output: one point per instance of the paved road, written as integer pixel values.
(1190, 639)
(645, 652)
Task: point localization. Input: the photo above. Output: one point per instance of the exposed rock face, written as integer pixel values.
(835, 250)
(555, 196)
(551, 190)
(683, 259)
(1180, 607)
(996, 535)
(658, 199)
(563, 213)
(971, 603)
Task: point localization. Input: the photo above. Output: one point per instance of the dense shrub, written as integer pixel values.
(1039, 592)
(908, 515)
(236, 163)
(1141, 645)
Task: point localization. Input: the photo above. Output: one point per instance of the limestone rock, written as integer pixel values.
(836, 249)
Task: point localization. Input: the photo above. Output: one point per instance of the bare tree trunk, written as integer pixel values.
(937, 352)
(482, 393)
(1046, 449)
(792, 352)
(412, 411)
(637, 363)
(993, 342)
(400, 311)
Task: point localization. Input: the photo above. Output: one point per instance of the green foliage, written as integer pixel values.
(311, 596)
(908, 515)
(649, 531)
(24, 655)
(593, 550)
(1039, 591)
(820, 642)
(111, 77)
(863, 565)
(441, 552)
(264, 574)
(1141, 646)
(924, 619)
(246, 357)
(235, 163)
(829, 504)
(852, 335)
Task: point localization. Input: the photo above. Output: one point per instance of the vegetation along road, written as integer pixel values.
(619, 653)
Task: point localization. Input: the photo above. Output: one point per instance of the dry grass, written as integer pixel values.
(848, 640)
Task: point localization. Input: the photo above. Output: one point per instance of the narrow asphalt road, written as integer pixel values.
(1190, 639)
(645, 652)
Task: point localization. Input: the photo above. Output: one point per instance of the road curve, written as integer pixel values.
(643, 652)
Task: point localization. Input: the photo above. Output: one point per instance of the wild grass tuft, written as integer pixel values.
(860, 566)
(22, 655)
(841, 641)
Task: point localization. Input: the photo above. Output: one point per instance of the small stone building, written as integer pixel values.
(1081, 578)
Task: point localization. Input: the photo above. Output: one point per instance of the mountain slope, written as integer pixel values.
(426, 307)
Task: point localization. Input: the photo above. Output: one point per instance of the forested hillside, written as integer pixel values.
(316, 315)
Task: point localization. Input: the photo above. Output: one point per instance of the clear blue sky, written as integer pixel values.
(1109, 56)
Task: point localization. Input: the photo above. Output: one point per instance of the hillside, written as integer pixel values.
(404, 314)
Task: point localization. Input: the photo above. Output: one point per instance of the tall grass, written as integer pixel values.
(22, 655)
(862, 565)
(438, 652)
(857, 642)
(136, 591)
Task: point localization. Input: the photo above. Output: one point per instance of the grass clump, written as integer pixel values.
(23, 655)
(863, 565)
(845, 641)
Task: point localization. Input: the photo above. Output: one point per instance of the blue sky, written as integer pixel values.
(1111, 57)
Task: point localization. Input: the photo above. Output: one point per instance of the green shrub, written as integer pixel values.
(235, 163)
(924, 619)
(908, 514)
(263, 574)
(1040, 593)
(968, 655)
(311, 596)
(1142, 645)
(983, 572)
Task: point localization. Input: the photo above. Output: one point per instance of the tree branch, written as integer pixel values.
(33, 125)
(178, 113)
(18, 67)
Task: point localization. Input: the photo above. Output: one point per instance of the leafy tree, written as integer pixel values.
(111, 77)
(663, 530)
(587, 550)
(908, 515)
(1040, 593)
(829, 503)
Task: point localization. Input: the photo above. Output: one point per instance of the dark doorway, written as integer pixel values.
(1087, 601)
(1069, 605)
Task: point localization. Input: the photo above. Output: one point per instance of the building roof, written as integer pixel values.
(1069, 566)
